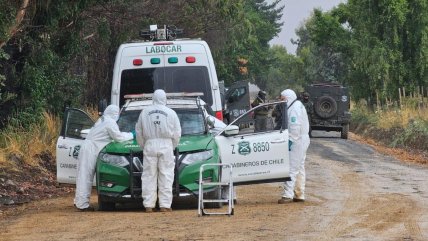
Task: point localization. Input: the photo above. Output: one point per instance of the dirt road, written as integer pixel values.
(353, 193)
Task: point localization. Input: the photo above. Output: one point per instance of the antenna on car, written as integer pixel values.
(167, 32)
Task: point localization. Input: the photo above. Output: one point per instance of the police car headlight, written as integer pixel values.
(114, 160)
(198, 156)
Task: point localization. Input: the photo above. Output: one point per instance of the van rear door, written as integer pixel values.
(175, 66)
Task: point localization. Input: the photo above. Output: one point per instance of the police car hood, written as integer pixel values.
(187, 143)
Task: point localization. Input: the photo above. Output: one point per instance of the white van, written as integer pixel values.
(174, 66)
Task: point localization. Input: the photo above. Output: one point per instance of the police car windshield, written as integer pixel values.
(191, 121)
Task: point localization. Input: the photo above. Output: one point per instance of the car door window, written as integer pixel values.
(76, 121)
(262, 118)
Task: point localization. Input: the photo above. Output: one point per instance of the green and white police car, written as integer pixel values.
(255, 157)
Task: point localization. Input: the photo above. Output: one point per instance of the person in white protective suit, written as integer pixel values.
(298, 129)
(158, 132)
(103, 132)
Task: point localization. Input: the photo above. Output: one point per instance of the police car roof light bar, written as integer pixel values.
(167, 32)
(149, 96)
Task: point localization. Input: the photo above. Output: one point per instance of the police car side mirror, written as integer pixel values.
(210, 121)
(84, 133)
(231, 130)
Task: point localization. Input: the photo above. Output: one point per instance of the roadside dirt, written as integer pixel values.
(353, 193)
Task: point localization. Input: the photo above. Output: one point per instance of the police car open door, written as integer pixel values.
(76, 124)
(256, 150)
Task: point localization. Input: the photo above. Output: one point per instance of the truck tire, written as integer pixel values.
(344, 132)
(105, 206)
(325, 107)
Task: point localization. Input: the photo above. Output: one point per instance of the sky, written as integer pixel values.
(294, 14)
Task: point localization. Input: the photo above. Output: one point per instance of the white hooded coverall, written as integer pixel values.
(158, 132)
(298, 128)
(103, 132)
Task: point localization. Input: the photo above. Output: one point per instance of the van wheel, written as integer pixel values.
(105, 206)
(344, 132)
(216, 194)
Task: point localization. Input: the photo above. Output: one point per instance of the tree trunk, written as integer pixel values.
(18, 19)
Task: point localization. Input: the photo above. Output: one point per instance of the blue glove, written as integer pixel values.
(289, 145)
(134, 134)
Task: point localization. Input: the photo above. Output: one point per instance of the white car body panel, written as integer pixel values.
(255, 157)
(67, 150)
(68, 145)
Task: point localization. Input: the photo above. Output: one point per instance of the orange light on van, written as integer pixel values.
(137, 62)
(190, 59)
(219, 115)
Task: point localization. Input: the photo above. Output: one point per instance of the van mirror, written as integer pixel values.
(102, 105)
(231, 130)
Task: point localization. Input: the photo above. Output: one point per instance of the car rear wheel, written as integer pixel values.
(325, 107)
(344, 132)
(105, 206)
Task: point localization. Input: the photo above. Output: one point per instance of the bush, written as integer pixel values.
(415, 135)
(406, 127)
(28, 146)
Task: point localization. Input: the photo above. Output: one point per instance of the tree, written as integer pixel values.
(374, 46)
(284, 72)
(64, 51)
(322, 43)
(9, 26)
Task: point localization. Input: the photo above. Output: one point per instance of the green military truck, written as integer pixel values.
(331, 104)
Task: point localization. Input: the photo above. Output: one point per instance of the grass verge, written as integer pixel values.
(404, 128)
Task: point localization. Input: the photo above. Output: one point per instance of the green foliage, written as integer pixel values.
(397, 127)
(414, 135)
(3, 56)
(284, 71)
(7, 18)
(376, 46)
(322, 44)
(252, 26)
(38, 72)
(362, 115)
(65, 50)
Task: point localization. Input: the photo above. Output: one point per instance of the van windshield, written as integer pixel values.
(170, 79)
